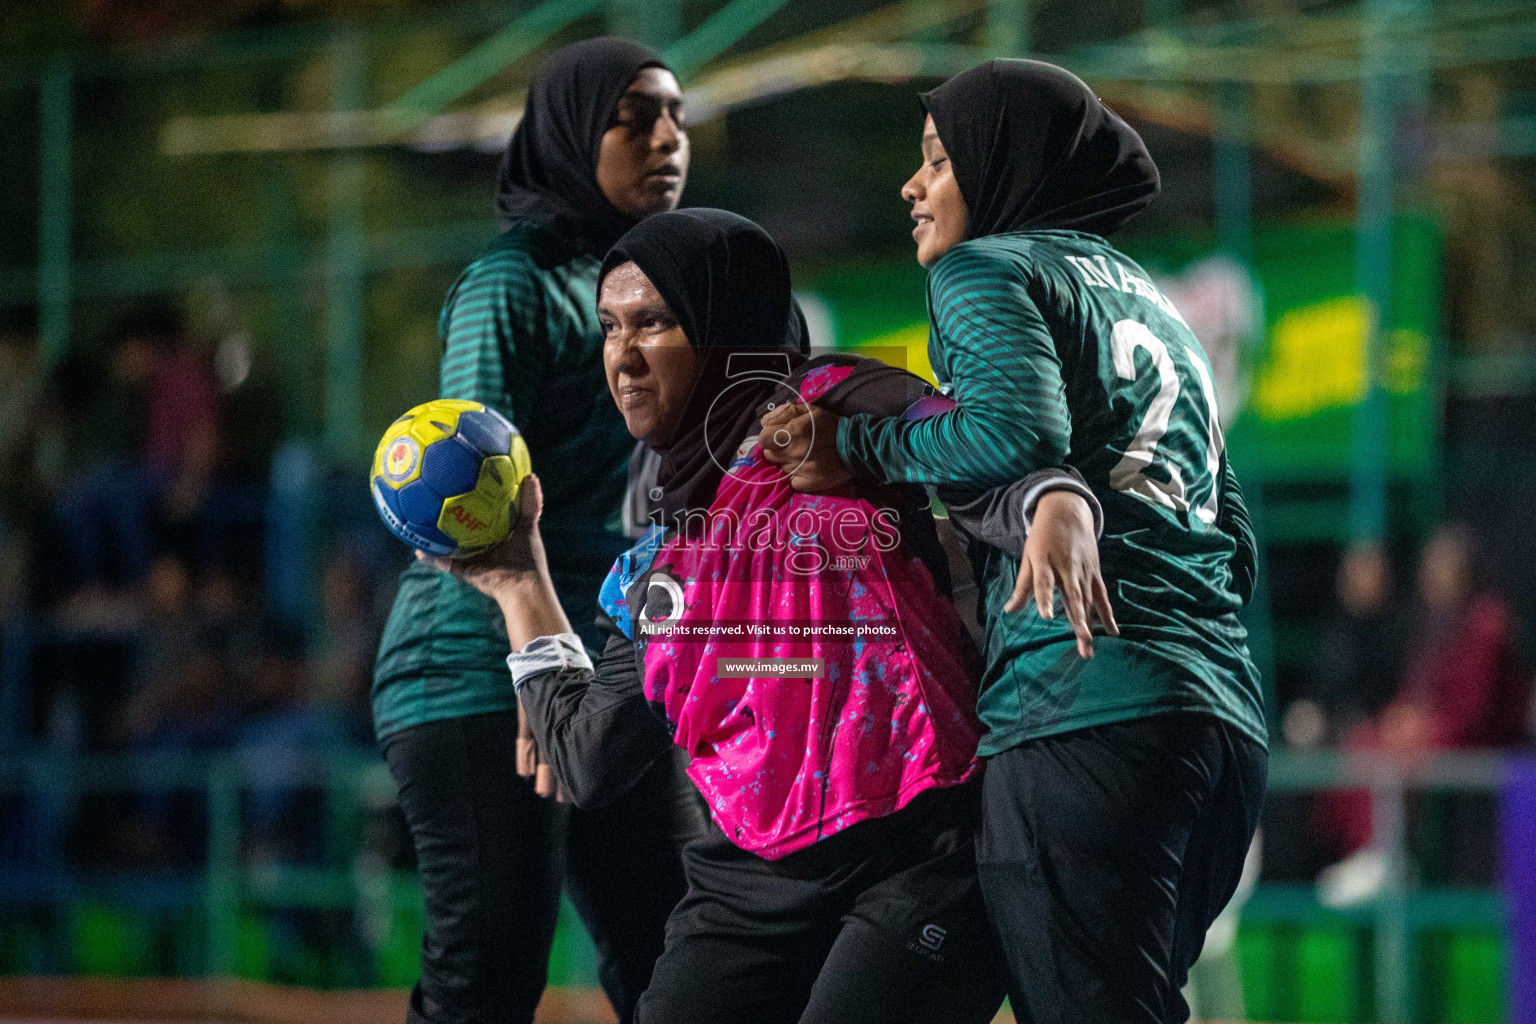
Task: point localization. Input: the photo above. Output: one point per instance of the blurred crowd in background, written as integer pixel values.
(132, 582)
(1415, 658)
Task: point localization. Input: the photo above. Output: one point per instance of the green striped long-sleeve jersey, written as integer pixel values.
(520, 333)
(1059, 350)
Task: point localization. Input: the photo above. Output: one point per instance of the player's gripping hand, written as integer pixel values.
(802, 441)
(497, 573)
(1062, 552)
(517, 559)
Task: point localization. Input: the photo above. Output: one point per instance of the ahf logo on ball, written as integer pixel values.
(465, 518)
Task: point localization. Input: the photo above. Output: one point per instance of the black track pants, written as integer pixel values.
(1106, 853)
(879, 924)
(493, 856)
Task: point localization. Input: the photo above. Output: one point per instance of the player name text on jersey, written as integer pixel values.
(1096, 273)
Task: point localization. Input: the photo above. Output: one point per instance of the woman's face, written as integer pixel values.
(942, 221)
(1445, 571)
(643, 161)
(646, 355)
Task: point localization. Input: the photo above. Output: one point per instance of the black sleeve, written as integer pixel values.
(873, 387)
(999, 517)
(594, 725)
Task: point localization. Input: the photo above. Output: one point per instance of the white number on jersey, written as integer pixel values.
(1129, 474)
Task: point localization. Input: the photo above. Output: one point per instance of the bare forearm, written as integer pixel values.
(531, 609)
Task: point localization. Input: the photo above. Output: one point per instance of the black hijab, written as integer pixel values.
(727, 282)
(549, 172)
(1033, 148)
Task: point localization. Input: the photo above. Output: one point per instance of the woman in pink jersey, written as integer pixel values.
(800, 651)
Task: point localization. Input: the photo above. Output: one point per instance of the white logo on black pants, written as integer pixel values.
(929, 938)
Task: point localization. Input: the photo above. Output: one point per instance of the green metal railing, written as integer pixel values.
(353, 780)
(1402, 910)
(348, 779)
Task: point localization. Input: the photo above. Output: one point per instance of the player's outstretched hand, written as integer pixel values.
(519, 557)
(1063, 552)
(802, 441)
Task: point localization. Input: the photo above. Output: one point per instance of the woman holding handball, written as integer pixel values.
(601, 146)
(1120, 793)
(837, 882)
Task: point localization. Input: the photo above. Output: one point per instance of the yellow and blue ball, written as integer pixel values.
(446, 477)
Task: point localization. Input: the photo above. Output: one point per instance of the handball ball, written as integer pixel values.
(446, 477)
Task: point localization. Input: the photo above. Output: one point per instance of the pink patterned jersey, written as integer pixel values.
(784, 762)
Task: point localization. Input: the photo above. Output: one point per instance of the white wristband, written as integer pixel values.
(563, 650)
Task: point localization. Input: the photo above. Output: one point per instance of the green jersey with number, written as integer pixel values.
(1059, 350)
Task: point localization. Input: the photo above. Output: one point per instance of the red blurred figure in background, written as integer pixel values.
(1464, 685)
